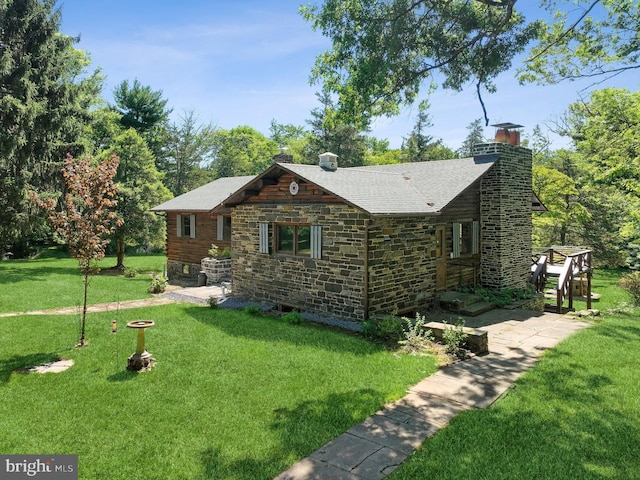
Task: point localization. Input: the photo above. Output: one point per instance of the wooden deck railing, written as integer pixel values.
(539, 274)
(575, 264)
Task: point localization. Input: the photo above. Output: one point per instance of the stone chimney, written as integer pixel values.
(505, 215)
(329, 161)
(282, 157)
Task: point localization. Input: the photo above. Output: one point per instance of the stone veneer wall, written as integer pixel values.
(175, 270)
(402, 270)
(333, 285)
(216, 269)
(505, 206)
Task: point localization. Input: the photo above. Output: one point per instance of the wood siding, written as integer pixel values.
(279, 193)
(192, 250)
(463, 271)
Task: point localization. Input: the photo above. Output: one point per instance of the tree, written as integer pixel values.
(292, 137)
(593, 38)
(420, 146)
(145, 111)
(565, 216)
(605, 131)
(383, 50)
(475, 136)
(330, 134)
(87, 217)
(140, 188)
(189, 149)
(242, 151)
(45, 94)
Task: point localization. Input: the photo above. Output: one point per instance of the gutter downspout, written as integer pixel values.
(366, 270)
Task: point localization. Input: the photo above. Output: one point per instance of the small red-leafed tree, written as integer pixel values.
(87, 217)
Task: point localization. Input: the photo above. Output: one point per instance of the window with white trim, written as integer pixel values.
(293, 239)
(466, 239)
(186, 226)
(224, 228)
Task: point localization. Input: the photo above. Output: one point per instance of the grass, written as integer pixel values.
(53, 280)
(576, 415)
(232, 395)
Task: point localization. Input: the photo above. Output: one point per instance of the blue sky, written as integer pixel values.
(245, 62)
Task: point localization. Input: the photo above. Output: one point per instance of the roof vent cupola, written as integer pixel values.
(329, 161)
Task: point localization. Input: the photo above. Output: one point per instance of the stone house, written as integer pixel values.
(363, 241)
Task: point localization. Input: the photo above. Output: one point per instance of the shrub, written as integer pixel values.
(219, 253)
(454, 337)
(158, 284)
(213, 301)
(631, 283)
(130, 272)
(387, 328)
(416, 337)
(293, 317)
(502, 298)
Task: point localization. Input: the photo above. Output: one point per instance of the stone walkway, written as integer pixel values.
(198, 295)
(374, 448)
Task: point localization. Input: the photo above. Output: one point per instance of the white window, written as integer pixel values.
(186, 226)
(298, 240)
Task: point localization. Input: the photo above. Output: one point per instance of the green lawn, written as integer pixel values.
(232, 396)
(574, 416)
(53, 280)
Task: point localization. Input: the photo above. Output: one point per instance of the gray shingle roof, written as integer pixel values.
(399, 189)
(206, 197)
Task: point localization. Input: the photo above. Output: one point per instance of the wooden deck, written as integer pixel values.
(566, 267)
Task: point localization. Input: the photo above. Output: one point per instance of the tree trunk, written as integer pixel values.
(120, 252)
(83, 320)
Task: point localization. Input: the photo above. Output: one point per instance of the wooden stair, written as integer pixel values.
(575, 266)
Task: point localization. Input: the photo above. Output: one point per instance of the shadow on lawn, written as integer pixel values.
(19, 363)
(301, 430)
(559, 422)
(18, 273)
(268, 328)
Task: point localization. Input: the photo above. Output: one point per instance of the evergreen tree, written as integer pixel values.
(43, 108)
(145, 111)
(188, 151)
(420, 146)
(475, 136)
(329, 135)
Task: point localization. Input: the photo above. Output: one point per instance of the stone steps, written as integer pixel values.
(468, 304)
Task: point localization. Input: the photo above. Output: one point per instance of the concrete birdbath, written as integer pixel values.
(141, 360)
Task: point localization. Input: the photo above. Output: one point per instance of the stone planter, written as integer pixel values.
(216, 269)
